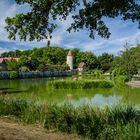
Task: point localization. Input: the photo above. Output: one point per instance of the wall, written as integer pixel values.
(22, 75)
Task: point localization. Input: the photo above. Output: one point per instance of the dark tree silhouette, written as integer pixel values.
(39, 24)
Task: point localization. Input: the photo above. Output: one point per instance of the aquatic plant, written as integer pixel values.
(79, 84)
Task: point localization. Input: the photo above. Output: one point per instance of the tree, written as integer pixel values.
(135, 52)
(17, 53)
(39, 22)
(129, 62)
(89, 58)
(126, 63)
(42, 67)
(13, 66)
(5, 54)
(54, 55)
(23, 60)
(37, 53)
(105, 61)
(75, 52)
(33, 63)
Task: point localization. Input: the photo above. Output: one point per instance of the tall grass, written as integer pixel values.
(119, 123)
(120, 81)
(79, 84)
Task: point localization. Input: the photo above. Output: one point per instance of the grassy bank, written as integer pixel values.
(106, 124)
(79, 84)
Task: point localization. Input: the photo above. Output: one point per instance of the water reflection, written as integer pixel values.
(11, 92)
(37, 89)
(98, 100)
(5, 88)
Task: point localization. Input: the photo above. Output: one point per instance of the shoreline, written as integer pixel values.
(135, 84)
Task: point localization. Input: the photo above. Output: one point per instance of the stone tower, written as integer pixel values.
(70, 59)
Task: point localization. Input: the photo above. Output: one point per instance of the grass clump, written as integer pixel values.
(79, 84)
(98, 124)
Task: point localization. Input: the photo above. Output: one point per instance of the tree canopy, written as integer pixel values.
(127, 63)
(39, 22)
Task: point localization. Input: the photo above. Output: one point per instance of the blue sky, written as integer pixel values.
(121, 31)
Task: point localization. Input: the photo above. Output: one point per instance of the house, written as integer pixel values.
(3, 62)
(82, 67)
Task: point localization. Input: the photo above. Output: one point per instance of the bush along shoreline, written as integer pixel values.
(79, 84)
(117, 123)
(34, 74)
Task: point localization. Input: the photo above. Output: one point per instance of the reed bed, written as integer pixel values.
(93, 123)
(79, 84)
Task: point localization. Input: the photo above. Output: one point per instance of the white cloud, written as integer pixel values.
(5, 11)
(113, 45)
(2, 50)
(10, 11)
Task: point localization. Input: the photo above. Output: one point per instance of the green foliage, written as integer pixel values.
(108, 124)
(13, 66)
(13, 107)
(57, 67)
(39, 22)
(54, 59)
(93, 74)
(105, 61)
(89, 58)
(14, 74)
(33, 63)
(54, 55)
(23, 60)
(128, 62)
(79, 84)
(41, 67)
(120, 80)
(23, 69)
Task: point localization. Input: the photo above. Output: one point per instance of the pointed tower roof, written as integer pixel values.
(70, 53)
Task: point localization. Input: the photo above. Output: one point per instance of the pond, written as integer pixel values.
(36, 89)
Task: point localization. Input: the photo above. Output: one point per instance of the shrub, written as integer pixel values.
(12, 107)
(79, 84)
(24, 69)
(120, 80)
(14, 74)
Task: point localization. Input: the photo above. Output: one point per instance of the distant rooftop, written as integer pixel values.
(82, 64)
(6, 59)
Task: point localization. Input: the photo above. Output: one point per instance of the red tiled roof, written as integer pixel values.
(16, 59)
(1, 60)
(6, 59)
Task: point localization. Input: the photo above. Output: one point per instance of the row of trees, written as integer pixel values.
(37, 58)
(127, 63)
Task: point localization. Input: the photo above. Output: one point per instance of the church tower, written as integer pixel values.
(70, 59)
